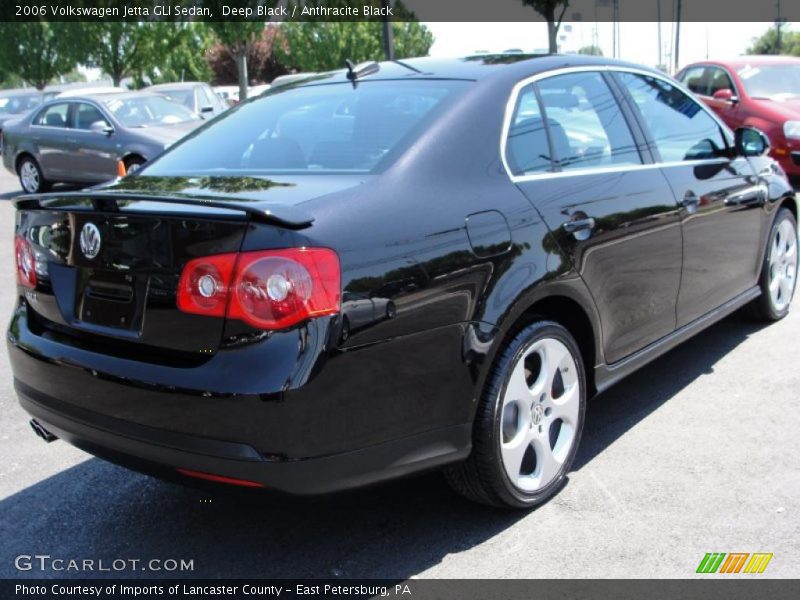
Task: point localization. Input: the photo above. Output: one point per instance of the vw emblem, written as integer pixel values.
(90, 240)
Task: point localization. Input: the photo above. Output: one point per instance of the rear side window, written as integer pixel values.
(53, 116)
(313, 129)
(527, 148)
(695, 79)
(579, 125)
(680, 128)
(586, 125)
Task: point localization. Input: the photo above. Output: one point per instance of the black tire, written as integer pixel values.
(482, 477)
(345, 333)
(42, 185)
(391, 310)
(765, 308)
(133, 164)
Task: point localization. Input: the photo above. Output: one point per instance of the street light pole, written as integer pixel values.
(677, 34)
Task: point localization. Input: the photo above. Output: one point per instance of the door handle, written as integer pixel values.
(579, 225)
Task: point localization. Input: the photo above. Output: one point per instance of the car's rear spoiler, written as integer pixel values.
(279, 214)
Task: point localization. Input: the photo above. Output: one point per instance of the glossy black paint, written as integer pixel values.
(463, 253)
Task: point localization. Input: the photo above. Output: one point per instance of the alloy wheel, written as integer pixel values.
(540, 412)
(783, 264)
(29, 176)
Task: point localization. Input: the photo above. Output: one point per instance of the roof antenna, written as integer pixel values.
(363, 69)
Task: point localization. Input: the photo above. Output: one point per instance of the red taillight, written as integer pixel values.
(271, 289)
(26, 262)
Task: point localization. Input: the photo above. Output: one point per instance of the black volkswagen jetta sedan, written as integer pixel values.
(392, 268)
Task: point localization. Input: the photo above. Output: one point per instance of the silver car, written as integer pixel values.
(194, 95)
(15, 103)
(82, 139)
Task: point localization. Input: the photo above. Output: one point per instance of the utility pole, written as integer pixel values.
(388, 34)
(658, 11)
(677, 34)
(779, 27)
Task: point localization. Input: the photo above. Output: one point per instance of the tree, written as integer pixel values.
(323, 46)
(591, 50)
(262, 64)
(767, 43)
(548, 9)
(237, 37)
(38, 51)
(182, 50)
(121, 48)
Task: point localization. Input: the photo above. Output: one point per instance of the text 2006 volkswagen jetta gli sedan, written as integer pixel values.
(393, 268)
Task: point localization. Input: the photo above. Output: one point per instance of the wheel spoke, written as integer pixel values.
(566, 407)
(518, 385)
(547, 465)
(513, 453)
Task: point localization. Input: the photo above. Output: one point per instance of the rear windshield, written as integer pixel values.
(318, 128)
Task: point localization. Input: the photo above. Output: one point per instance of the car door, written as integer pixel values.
(728, 109)
(95, 153)
(577, 156)
(50, 137)
(720, 195)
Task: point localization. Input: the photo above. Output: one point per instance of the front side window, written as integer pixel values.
(718, 80)
(586, 125)
(313, 129)
(87, 115)
(680, 128)
(53, 116)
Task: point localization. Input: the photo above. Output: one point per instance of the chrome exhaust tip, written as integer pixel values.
(40, 430)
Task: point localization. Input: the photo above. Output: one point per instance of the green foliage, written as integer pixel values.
(323, 46)
(37, 52)
(767, 43)
(121, 49)
(180, 50)
(591, 50)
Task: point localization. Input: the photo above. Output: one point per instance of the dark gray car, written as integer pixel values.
(82, 139)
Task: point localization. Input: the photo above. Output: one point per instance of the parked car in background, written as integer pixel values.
(228, 93)
(762, 92)
(291, 78)
(87, 91)
(194, 95)
(257, 90)
(15, 104)
(511, 234)
(81, 139)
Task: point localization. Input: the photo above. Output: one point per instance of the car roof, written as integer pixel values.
(743, 61)
(174, 86)
(511, 66)
(101, 97)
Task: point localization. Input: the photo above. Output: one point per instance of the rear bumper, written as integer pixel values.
(158, 452)
(332, 423)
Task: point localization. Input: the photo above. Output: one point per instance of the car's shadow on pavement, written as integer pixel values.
(99, 511)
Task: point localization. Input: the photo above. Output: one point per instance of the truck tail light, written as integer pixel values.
(271, 289)
(26, 262)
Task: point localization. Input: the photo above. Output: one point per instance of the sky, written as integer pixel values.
(638, 42)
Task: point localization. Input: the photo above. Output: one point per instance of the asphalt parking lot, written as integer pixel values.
(698, 452)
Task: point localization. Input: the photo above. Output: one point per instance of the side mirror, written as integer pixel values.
(101, 127)
(725, 95)
(751, 142)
